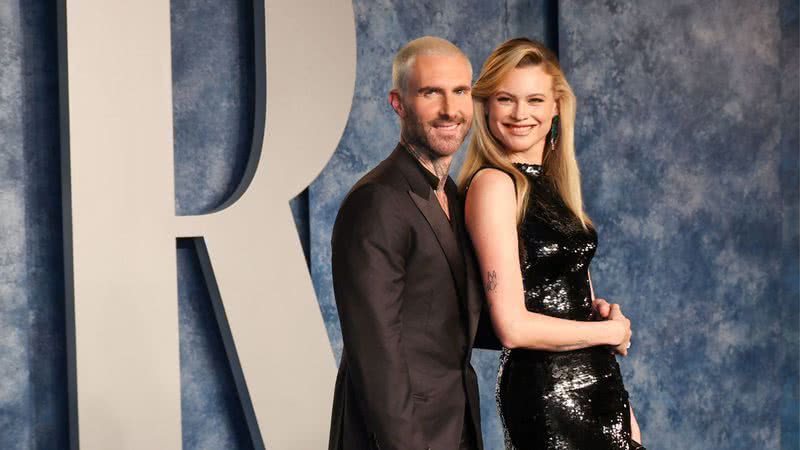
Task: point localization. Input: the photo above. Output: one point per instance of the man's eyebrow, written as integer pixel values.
(424, 89)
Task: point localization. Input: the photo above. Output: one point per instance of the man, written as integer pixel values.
(408, 313)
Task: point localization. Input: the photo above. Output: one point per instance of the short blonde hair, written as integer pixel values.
(425, 45)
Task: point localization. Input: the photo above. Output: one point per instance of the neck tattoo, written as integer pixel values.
(438, 165)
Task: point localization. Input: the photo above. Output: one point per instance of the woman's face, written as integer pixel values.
(521, 111)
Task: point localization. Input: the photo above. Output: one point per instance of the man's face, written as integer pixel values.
(436, 107)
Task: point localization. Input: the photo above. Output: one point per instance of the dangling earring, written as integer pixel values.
(554, 133)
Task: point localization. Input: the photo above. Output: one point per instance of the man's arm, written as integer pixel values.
(370, 241)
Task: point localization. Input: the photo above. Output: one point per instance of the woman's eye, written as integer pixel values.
(503, 99)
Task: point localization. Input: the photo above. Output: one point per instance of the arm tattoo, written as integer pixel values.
(491, 281)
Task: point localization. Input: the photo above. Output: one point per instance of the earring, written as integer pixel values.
(554, 133)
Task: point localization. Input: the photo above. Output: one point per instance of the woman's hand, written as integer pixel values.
(622, 342)
(601, 308)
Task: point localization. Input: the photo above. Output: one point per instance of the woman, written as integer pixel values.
(559, 386)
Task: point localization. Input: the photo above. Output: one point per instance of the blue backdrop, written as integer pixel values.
(687, 139)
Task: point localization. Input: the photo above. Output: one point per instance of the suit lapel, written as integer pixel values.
(430, 208)
(422, 195)
(472, 292)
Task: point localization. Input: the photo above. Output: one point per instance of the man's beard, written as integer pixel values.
(418, 135)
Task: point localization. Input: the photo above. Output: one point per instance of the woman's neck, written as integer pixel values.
(531, 156)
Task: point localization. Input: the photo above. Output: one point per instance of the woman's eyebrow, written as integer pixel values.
(535, 94)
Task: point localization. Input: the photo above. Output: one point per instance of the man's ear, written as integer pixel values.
(397, 103)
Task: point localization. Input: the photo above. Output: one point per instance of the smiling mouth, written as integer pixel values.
(447, 126)
(519, 130)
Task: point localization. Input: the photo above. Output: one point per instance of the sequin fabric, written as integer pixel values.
(572, 400)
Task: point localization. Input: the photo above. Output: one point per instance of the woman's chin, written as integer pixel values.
(516, 148)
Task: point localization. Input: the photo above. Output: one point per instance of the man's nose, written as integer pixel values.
(448, 107)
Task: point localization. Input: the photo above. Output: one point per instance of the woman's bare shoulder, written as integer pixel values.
(491, 181)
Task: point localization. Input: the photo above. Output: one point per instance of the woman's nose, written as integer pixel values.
(519, 112)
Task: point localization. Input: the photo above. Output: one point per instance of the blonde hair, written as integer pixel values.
(485, 150)
(425, 45)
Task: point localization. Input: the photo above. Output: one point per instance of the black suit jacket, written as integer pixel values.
(409, 310)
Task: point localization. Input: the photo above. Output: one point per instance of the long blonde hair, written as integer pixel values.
(485, 150)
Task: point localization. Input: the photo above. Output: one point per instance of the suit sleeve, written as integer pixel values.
(370, 242)
(485, 337)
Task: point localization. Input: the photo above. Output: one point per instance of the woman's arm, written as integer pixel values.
(490, 215)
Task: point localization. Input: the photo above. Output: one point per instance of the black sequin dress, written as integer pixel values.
(572, 400)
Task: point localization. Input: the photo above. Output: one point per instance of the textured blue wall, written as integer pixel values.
(679, 139)
(688, 142)
(32, 349)
(789, 343)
